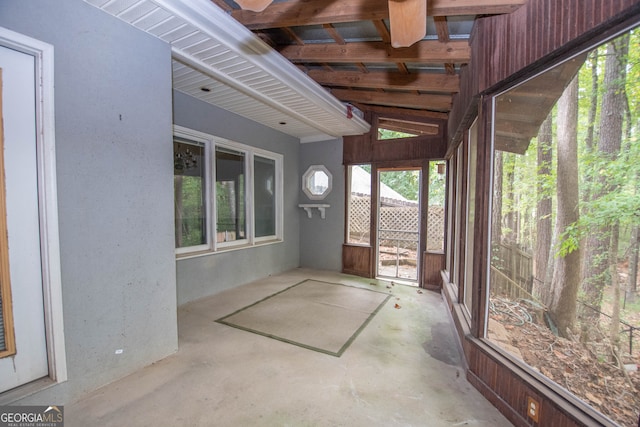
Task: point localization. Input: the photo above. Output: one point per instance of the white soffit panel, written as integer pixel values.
(243, 75)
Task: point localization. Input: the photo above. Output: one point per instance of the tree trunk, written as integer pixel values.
(590, 241)
(598, 244)
(510, 222)
(634, 239)
(614, 327)
(593, 106)
(543, 213)
(589, 140)
(496, 211)
(496, 214)
(632, 286)
(566, 277)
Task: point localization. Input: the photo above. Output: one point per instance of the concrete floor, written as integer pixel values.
(404, 369)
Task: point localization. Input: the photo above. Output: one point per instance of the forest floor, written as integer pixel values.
(588, 370)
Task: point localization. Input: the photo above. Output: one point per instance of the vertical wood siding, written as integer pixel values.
(506, 47)
(368, 149)
(433, 264)
(357, 260)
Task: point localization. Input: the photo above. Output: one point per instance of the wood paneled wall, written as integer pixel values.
(507, 385)
(357, 260)
(368, 149)
(509, 392)
(396, 153)
(432, 265)
(504, 48)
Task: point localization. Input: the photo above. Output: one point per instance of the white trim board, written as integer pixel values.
(47, 198)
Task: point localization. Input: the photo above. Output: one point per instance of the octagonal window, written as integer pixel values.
(316, 182)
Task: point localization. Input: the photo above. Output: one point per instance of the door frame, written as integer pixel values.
(423, 165)
(375, 212)
(47, 197)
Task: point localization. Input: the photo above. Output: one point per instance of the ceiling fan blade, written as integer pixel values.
(254, 5)
(408, 21)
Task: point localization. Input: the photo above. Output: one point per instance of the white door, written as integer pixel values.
(21, 174)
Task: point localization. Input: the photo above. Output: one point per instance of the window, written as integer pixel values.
(436, 206)
(231, 222)
(471, 205)
(451, 197)
(359, 204)
(564, 210)
(264, 185)
(457, 209)
(189, 183)
(227, 195)
(317, 182)
(389, 128)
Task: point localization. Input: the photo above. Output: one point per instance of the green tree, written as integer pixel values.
(608, 205)
(544, 211)
(405, 182)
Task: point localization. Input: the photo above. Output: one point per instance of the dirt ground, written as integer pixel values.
(588, 370)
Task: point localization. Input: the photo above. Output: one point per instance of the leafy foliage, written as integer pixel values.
(406, 183)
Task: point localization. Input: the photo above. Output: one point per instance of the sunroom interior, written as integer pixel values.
(293, 133)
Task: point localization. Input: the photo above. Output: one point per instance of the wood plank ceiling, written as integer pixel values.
(346, 47)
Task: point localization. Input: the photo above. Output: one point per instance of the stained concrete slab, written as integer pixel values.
(403, 369)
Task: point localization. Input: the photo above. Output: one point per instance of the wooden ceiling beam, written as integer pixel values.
(388, 80)
(416, 128)
(293, 36)
(329, 28)
(318, 12)
(442, 28)
(381, 27)
(428, 52)
(403, 112)
(395, 99)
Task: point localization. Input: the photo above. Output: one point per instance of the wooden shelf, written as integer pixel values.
(308, 207)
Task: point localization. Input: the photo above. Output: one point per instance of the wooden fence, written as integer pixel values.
(511, 272)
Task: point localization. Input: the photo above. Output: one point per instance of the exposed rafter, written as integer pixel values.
(318, 12)
(395, 99)
(352, 57)
(417, 128)
(406, 113)
(387, 80)
(379, 52)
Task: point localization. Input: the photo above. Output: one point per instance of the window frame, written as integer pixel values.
(467, 278)
(534, 377)
(277, 199)
(198, 140)
(348, 206)
(423, 129)
(211, 142)
(247, 198)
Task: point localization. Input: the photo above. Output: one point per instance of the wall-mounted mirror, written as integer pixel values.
(316, 182)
